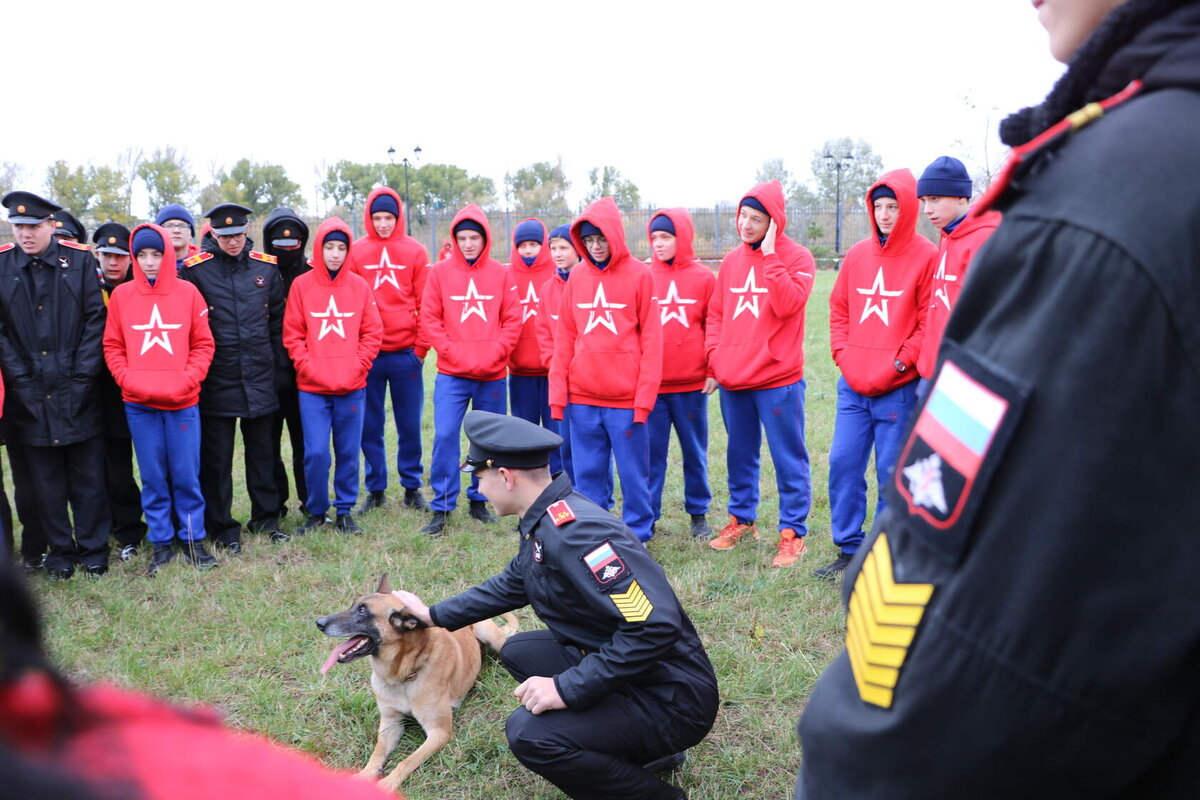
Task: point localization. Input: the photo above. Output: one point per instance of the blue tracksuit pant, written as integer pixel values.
(451, 396)
(779, 412)
(862, 423)
(339, 415)
(688, 413)
(399, 370)
(600, 435)
(529, 398)
(167, 445)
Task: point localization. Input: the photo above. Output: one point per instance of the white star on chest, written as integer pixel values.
(164, 339)
(604, 318)
(747, 300)
(942, 278)
(331, 319)
(385, 271)
(529, 303)
(673, 299)
(880, 308)
(472, 302)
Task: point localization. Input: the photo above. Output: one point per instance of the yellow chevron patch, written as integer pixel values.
(883, 619)
(633, 604)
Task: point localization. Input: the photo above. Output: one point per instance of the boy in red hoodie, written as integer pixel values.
(684, 287)
(158, 346)
(332, 331)
(755, 345)
(945, 193)
(876, 327)
(394, 265)
(608, 363)
(528, 381)
(471, 316)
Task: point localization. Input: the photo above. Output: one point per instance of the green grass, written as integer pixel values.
(242, 638)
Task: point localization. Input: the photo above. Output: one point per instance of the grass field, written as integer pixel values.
(242, 638)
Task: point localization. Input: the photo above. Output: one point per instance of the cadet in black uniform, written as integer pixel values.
(51, 325)
(67, 227)
(1024, 620)
(620, 684)
(245, 311)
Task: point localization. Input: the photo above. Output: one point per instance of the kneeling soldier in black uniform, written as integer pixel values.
(620, 685)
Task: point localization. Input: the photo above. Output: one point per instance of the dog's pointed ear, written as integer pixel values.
(403, 622)
(384, 586)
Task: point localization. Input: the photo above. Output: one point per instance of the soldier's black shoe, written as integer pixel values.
(163, 554)
(95, 570)
(314, 522)
(234, 548)
(479, 511)
(372, 501)
(436, 523)
(279, 537)
(198, 557)
(346, 524)
(666, 763)
(700, 529)
(414, 499)
(60, 573)
(831, 571)
(32, 565)
(128, 552)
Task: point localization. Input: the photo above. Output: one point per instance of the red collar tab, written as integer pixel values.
(560, 513)
(1073, 122)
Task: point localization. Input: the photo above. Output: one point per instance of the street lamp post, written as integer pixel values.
(838, 163)
(407, 205)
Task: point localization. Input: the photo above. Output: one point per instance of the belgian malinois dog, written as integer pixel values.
(416, 671)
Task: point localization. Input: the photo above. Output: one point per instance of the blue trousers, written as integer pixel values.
(529, 399)
(399, 370)
(568, 462)
(688, 412)
(451, 395)
(779, 412)
(599, 436)
(339, 415)
(167, 445)
(862, 423)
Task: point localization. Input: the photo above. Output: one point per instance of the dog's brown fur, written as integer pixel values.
(416, 671)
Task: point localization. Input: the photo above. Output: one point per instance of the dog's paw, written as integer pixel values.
(367, 775)
(391, 783)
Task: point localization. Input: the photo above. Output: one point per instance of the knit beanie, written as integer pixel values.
(147, 239)
(562, 232)
(337, 236)
(470, 225)
(588, 229)
(945, 177)
(662, 223)
(882, 191)
(529, 231)
(175, 211)
(386, 203)
(753, 202)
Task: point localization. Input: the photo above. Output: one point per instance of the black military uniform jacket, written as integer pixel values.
(50, 348)
(245, 311)
(596, 588)
(1025, 618)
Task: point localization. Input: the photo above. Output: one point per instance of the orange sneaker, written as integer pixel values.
(731, 534)
(791, 547)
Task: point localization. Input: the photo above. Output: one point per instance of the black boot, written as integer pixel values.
(833, 571)
(479, 511)
(346, 524)
(700, 529)
(413, 499)
(314, 522)
(198, 557)
(371, 501)
(163, 554)
(666, 763)
(436, 523)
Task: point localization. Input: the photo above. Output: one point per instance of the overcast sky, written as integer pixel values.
(686, 99)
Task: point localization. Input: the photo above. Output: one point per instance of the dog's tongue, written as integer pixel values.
(337, 653)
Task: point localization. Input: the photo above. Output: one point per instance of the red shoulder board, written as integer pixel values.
(4, 248)
(560, 513)
(199, 258)
(75, 245)
(257, 256)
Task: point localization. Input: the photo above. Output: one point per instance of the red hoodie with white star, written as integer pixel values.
(608, 344)
(470, 313)
(878, 305)
(157, 342)
(684, 288)
(395, 268)
(331, 328)
(526, 357)
(755, 335)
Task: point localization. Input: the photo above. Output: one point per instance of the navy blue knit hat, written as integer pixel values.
(147, 239)
(529, 231)
(561, 232)
(470, 225)
(175, 211)
(386, 203)
(336, 236)
(588, 229)
(753, 202)
(945, 177)
(662, 223)
(882, 190)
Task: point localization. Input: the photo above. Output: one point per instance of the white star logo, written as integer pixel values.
(331, 319)
(156, 323)
(529, 303)
(385, 271)
(600, 301)
(941, 275)
(674, 299)
(925, 483)
(748, 302)
(877, 290)
(472, 302)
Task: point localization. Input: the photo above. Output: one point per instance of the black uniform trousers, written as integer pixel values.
(595, 753)
(216, 475)
(289, 411)
(124, 497)
(33, 534)
(68, 476)
(6, 520)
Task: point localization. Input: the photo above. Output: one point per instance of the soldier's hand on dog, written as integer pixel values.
(539, 694)
(413, 605)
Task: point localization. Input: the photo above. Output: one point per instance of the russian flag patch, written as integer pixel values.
(605, 565)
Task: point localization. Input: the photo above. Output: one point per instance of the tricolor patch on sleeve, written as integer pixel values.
(633, 603)
(605, 565)
(560, 513)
